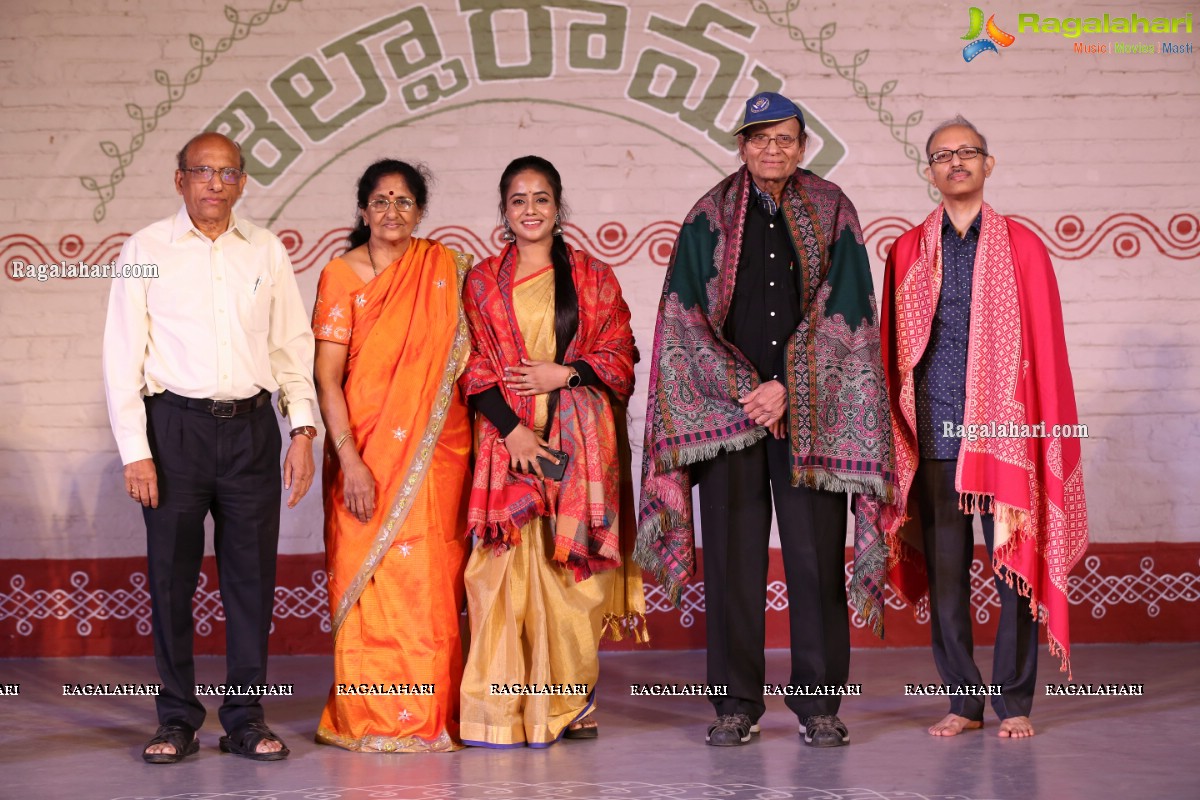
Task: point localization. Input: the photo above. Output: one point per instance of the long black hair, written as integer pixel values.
(566, 299)
(417, 177)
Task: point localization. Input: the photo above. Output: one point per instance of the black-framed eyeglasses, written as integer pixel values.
(380, 204)
(759, 141)
(229, 175)
(964, 153)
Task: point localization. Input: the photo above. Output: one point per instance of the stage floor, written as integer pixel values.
(1121, 746)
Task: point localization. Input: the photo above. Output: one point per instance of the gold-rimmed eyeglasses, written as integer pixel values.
(759, 141)
(380, 205)
(228, 175)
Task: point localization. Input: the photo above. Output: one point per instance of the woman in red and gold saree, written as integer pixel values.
(391, 344)
(551, 367)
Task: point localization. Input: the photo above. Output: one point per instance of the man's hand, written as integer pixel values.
(524, 446)
(298, 468)
(141, 481)
(766, 404)
(536, 377)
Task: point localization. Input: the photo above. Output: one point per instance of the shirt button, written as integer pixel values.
(772, 313)
(772, 255)
(772, 283)
(774, 342)
(771, 225)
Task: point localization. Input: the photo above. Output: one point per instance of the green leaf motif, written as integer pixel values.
(105, 192)
(783, 18)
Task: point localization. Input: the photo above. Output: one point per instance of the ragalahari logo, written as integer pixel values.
(995, 36)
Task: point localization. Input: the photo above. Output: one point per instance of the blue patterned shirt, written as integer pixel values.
(941, 374)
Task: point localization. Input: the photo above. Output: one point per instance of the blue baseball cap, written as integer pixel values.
(769, 107)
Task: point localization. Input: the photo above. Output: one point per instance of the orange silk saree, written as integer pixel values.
(396, 582)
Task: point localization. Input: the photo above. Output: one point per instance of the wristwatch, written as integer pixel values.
(304, 430)
(573, 379)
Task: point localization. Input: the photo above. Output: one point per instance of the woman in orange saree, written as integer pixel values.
(391, 343)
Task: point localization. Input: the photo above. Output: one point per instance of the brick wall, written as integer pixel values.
(1106, 143)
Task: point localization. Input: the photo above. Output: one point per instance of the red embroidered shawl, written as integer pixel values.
(585, 503)
(1017, 373)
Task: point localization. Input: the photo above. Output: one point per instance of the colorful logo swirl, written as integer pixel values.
(995, 36)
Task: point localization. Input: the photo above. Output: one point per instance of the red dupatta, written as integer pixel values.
(584, 504)
(1017, 374)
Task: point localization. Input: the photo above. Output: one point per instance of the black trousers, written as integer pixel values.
(949, 551)
(229, 468)
(736, 490)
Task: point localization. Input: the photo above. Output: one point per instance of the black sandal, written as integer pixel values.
(581, 730)
(179, 735)
(245, 738)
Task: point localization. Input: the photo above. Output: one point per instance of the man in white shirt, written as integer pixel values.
(190, 361)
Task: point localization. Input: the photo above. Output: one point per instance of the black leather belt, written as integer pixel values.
(218, 408)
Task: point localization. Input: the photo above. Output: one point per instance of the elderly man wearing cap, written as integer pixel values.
(767, 386)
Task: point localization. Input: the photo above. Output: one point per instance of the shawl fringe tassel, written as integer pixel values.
(619, 626)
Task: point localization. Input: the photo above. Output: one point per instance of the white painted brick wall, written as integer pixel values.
(1092, 136)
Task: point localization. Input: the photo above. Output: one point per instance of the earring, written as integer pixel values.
(558, 231)
(508, 235)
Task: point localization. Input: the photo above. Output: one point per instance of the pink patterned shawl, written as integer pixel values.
(1017, 373)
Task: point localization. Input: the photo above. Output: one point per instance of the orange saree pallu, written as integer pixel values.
(396, 582)
(1018, 380)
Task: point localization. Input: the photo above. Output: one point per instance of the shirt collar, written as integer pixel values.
(764, 199)
(183, 226)
(948, 226)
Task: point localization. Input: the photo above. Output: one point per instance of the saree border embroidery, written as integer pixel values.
(419, 467)
(389, 744)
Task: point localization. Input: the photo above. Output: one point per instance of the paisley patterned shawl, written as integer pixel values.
(1017, 373)
(585, 502)
(839, 431)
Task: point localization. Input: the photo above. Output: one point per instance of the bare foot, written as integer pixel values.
(1016, 728)
(953, 725)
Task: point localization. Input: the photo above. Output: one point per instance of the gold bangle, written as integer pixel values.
(341, 440)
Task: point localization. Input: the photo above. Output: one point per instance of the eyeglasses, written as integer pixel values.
(380, 204)
(759, 141)
(964, 153)
(205, 174)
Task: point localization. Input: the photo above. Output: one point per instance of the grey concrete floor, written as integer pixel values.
(1086, 747)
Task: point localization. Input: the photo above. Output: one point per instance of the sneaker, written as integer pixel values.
(730, 730)
(824, 730)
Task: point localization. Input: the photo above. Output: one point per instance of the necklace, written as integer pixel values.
(371, 256)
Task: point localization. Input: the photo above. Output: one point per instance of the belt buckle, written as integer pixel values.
(223, 409)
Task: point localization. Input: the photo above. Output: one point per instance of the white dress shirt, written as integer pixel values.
(222, 321)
